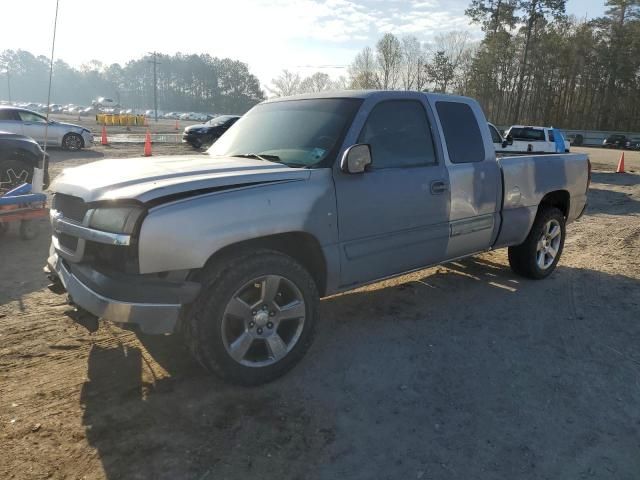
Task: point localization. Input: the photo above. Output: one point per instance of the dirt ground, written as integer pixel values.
(456, 372)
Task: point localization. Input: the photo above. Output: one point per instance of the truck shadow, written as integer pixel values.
(461, 368)
(611, 202)
(615, 178)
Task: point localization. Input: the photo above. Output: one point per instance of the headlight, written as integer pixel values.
(116, 219)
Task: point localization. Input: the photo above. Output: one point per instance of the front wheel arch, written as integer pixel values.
(301, 246)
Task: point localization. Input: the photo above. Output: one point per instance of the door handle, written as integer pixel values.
(438, 187)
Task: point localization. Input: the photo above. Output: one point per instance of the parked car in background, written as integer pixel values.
(533, 139)
(614, 141)
(204, 135)
(32, 124)
(500, 143)
(19, 155)
(632, 143)
(104, 102)
(302, 198)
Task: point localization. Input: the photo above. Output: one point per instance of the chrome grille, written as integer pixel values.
(71, 207)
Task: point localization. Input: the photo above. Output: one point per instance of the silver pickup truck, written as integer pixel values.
(302, 198)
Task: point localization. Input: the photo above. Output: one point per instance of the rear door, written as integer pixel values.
(393, 217)
(10, 121)
(474, 176)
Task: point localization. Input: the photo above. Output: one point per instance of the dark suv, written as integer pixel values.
(203, 135)
(19, 155)
(614, 141)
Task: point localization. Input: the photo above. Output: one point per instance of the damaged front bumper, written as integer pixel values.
(152, 303)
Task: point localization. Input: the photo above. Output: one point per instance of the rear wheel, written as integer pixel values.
(72, 141)
(255, 317)
(538, 256)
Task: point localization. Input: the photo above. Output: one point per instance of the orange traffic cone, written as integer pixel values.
(147, 144)
(620, 168)
(177, 125)
(103, 140)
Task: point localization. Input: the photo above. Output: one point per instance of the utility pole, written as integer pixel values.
(155, 83)
(9, 84)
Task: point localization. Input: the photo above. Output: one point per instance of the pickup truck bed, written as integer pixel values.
(303, 197)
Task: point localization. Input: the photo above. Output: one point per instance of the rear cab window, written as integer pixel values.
(527, 134)
(461, 132)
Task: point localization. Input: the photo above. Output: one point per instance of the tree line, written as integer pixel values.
(200, 83)
(534, 65)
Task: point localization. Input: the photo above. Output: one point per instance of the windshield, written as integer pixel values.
(301, 133)
(220, 120)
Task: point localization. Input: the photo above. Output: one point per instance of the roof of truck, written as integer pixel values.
(362, 94)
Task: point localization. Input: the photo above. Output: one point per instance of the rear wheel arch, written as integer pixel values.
(559, 199)
(301, 246)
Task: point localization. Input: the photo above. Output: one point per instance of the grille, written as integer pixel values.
(73, 208)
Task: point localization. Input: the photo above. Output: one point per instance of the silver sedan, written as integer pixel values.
(32, 124)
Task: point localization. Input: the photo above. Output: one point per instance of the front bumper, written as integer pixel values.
(88, 139)
(153, 304)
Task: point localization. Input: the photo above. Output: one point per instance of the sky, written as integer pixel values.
(270, 35)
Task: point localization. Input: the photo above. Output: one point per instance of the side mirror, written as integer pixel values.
(509, 140)
(504, 144)
(356, 158)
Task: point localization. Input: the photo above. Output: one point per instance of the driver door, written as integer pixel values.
(393, 217)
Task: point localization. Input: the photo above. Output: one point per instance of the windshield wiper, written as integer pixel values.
(264, 157)
(270, 158)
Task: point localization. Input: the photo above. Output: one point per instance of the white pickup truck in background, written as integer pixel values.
(526, 139)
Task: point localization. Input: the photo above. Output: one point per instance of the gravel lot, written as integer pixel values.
(456, 372)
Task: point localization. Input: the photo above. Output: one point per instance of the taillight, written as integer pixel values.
(589, 173)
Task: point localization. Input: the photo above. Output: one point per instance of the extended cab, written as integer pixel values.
(302, 198)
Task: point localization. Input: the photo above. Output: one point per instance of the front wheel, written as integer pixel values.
(73, 142)
(538, 256)
(255, 317)
(14, 173)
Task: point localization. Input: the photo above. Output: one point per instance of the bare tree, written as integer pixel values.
(317, 82)
(287, 83)
(389, 59)
(362, 71)
(413, 60)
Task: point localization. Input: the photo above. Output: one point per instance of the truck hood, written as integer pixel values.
(147, 179)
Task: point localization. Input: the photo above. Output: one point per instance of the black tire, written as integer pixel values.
(202, 324)
(523, 258)
(14, 173)
(72, 142)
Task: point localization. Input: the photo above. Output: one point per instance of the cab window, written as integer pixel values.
(399, 135)
(495, 136)
(6, 114)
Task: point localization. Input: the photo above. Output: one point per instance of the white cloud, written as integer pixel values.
(267, 34)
